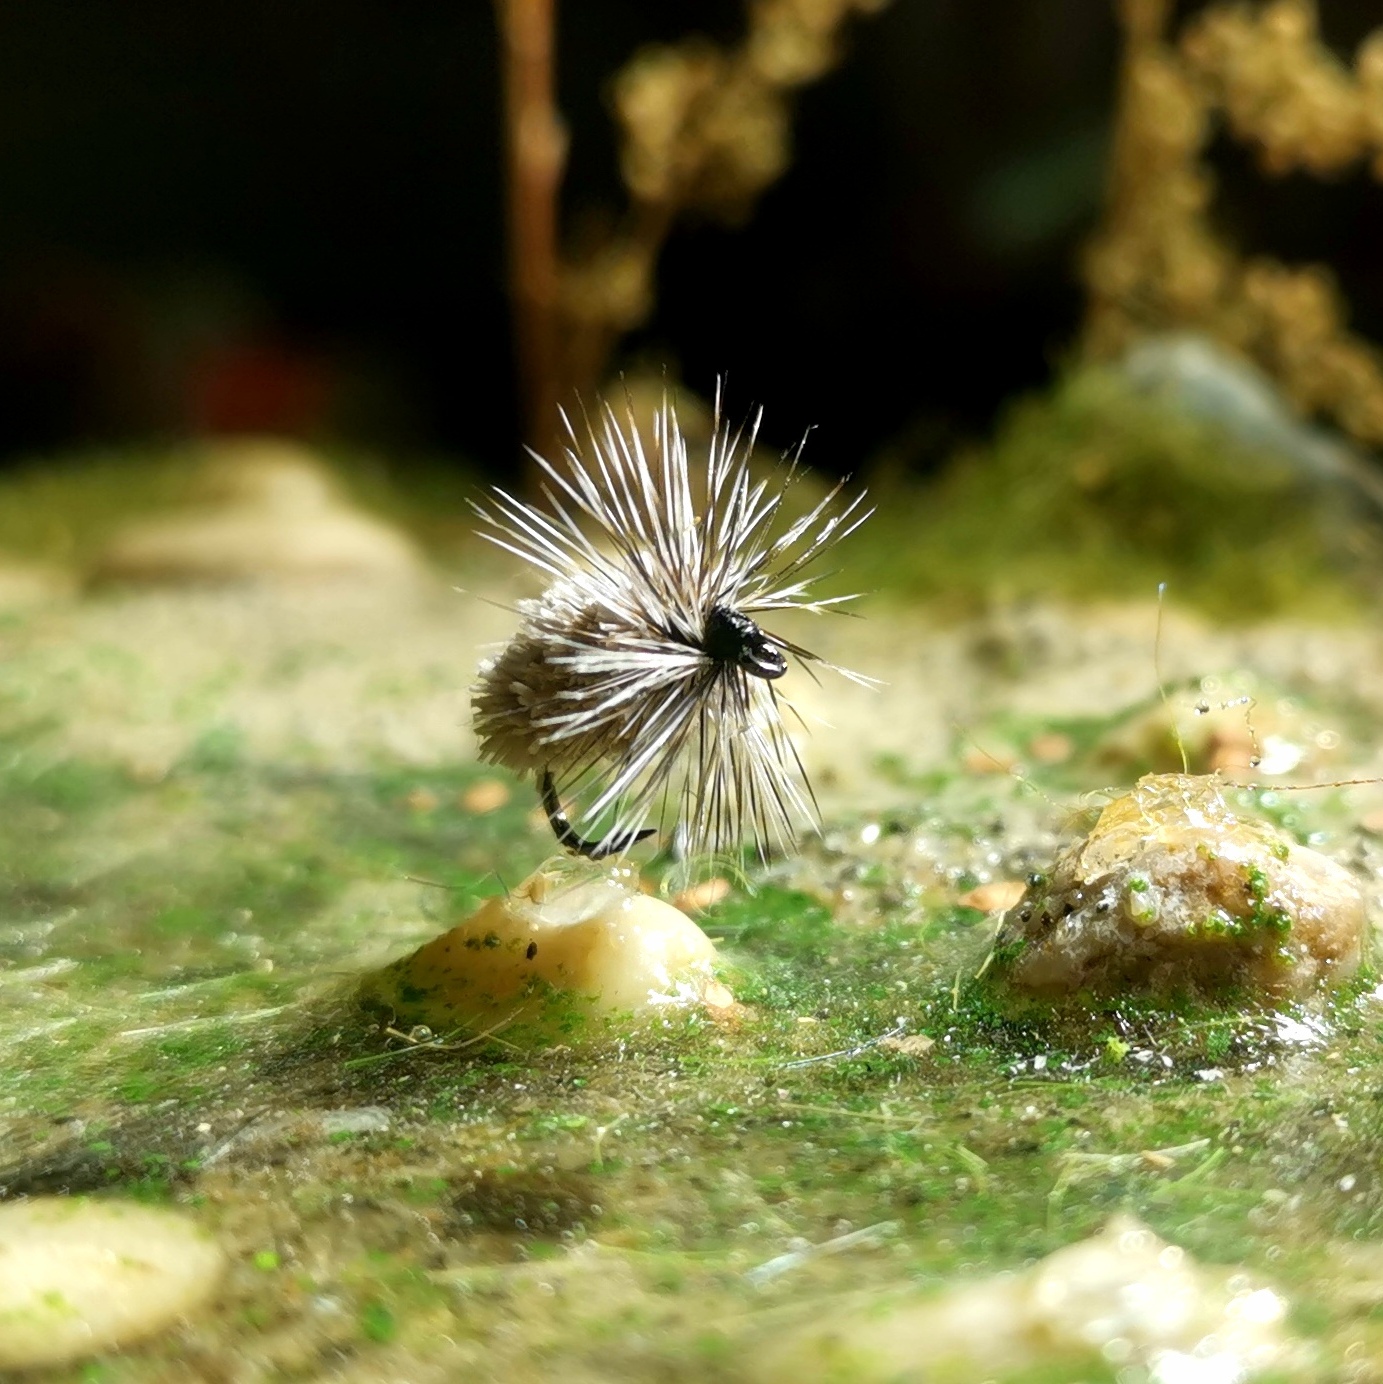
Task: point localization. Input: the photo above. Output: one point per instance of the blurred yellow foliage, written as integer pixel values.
(1262, 72)
(704, 130)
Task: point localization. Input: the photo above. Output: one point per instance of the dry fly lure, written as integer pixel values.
(641, 684)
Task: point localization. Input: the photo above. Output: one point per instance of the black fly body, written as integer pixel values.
(641, 684)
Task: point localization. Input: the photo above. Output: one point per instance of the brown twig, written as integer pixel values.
(535, 151)
(703, 131)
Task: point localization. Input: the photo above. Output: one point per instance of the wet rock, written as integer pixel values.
(81, 1276)
(1124, 1295)
(564, 948)
(1171, 893)
(273, 513)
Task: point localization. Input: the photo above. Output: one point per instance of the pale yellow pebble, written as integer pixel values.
(271, 512)
(80, 1276)
(717, 996)
(562, 949)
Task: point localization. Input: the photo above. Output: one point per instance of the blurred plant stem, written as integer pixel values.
(703, 130)
(536, 154)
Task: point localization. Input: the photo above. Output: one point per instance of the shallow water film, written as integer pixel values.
(223, 808)
(857, 1156)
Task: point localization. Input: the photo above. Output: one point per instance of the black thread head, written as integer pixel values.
(732, 637)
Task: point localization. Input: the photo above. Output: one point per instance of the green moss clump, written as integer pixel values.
(1097, 488)
(1261, 917)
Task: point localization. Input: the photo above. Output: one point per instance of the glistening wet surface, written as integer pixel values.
(220, 809)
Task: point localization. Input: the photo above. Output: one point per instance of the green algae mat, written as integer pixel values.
(220, 809)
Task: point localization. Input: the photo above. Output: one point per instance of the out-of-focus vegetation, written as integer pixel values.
(1096, 491)
(1160, 260)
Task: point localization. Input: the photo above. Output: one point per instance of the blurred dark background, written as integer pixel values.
(252, 215)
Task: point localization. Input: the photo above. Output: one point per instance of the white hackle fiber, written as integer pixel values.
(608, 683)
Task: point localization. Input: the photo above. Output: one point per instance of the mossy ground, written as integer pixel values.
(218, 809)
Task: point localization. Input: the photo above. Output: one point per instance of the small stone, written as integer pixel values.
(272, 513)
(722, 1008)
(1051, 747)
(1172, 893)
(564, 948)
(702, 895)
(79, 1276)
(718, 996)
(484, 796)
(1123, 1293)
(997, 897)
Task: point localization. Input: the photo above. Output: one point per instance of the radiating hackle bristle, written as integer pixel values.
(604, 684)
